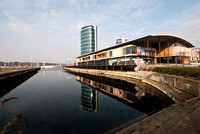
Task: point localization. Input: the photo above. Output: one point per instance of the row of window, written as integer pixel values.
(87, 38)
(87, 35)
(87, 42)
(87, 45)
(84, 48)
(87, 31)
(134, 50)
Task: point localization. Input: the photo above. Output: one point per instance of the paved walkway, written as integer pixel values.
(182, 118)
(8, 70)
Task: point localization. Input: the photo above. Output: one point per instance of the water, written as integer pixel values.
(54, 101)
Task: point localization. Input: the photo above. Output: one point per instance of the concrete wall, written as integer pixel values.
(175, 82)
(188, 85)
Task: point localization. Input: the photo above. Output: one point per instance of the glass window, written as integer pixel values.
(134, 50)
(128, 50)
(110, 53)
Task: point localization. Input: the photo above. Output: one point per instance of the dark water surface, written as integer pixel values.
(55, 101)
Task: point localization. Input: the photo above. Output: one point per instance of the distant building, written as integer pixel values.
(120, 41)
(88, 39)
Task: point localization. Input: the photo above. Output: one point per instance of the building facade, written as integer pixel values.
(88, 39)
(155, 49)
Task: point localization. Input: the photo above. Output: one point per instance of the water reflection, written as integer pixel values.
(7, 86)
(58, 102)
(140, 96)
(89, 98)
(89, 95)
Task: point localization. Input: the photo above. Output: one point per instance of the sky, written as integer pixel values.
(49, 30)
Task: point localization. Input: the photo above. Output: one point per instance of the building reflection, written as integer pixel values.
(137, 95)
(89, 98)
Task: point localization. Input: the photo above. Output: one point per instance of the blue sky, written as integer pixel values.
(49, 30)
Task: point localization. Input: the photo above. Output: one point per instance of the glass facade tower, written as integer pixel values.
(88, 39)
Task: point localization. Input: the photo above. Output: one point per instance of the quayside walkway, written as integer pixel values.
(8, 73)
(9, 70)
(181, 118)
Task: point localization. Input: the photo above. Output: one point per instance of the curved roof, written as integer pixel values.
(155, 38)
(150, 38)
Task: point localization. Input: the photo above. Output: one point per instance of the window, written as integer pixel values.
(110, 53)
(130, 50)
(94, 56)
(134, 50)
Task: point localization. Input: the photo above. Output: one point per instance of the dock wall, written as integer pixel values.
(11, 74)
(177, 88)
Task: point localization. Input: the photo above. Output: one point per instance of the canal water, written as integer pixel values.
(56, 101)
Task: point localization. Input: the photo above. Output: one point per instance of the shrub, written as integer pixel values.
(163, 70)
(185, 71)
(169, 71)
(176, 70)
(156, 69)
(195, 73)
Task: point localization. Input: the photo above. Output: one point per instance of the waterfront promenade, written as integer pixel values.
(9, 70)
(8, 74)
(181, 118)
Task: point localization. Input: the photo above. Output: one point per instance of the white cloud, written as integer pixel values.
(72, 1)
(190, 31)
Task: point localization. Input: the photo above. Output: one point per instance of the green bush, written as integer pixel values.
(176, 70)
(169, 71)
(163, 69)
(195, 73)
(156, 69)
(185, 71)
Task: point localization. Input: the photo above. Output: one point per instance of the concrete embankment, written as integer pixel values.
(12, 77)
(7, 74)
(166, 84)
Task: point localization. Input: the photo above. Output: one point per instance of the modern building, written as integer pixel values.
(88, 39)
(120, 41)
(155, 49)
